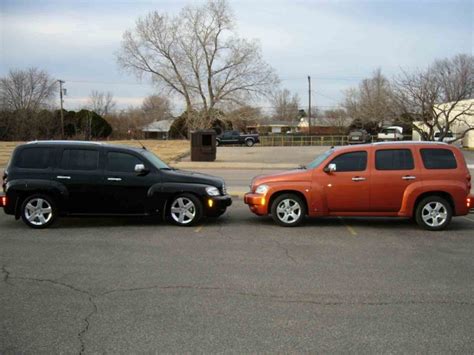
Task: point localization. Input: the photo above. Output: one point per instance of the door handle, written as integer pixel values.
(408, 177)
(63, 177)
(358, 178)
(114, 179)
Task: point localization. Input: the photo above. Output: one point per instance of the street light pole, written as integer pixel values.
(61, 82)
(309, 105)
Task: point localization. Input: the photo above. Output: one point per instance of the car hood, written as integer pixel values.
(191, 177)
(290, 175)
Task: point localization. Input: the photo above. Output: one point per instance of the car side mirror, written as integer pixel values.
(140, 169)
(330, 168)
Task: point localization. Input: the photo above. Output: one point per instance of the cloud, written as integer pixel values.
(337, 42)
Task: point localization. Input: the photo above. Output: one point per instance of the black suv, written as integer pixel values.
(46, 179)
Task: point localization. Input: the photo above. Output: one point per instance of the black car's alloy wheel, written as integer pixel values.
(38, 211)
(249, 142)
(185, 210)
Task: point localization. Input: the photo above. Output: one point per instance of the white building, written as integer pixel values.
(158, 129)
(462, 123)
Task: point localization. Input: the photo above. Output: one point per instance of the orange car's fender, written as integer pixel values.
(318, 202)
(302, 187)
(455, 189)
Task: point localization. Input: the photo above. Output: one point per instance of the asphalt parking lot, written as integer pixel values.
(236, 284)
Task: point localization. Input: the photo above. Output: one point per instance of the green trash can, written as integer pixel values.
(203, 145)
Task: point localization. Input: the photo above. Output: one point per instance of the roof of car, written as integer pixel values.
(393, 144)
(85, 143)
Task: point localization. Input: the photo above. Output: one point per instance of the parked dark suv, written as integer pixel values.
(46, 179)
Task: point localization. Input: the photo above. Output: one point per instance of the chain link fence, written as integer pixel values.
(292, 141)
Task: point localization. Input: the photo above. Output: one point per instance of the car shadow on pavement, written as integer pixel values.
(100, 222)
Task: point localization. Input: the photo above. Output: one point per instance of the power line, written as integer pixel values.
(149, 84)
(107, 82)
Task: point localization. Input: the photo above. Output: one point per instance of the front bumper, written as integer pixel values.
(216, 205)
(257, 203)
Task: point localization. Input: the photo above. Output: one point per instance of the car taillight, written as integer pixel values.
(3, 201)
(468, 202)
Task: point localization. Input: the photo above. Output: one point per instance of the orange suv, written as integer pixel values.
(427, 181)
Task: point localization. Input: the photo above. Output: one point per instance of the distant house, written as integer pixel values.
(325, 125)
(273, 127)
(158, 129)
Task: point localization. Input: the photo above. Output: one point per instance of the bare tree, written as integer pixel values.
(243, 116)
(156, 108)
(101, 103)
(337, 118)
(30, 89)
(372, 100)
(438, 97)
(285, 106)
(198, 56)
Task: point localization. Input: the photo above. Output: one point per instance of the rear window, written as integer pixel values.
(438, 159)
(394, 159)
(354, 161)
(34, 158)
(80, 159)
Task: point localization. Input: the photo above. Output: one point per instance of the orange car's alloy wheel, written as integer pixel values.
(434, 213)
(288, 210)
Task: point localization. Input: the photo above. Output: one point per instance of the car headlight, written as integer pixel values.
(212, 191)
(261, 189)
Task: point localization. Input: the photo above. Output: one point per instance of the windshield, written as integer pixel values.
(157, 162)
(319, 159)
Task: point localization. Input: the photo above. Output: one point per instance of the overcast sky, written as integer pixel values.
(338, 43)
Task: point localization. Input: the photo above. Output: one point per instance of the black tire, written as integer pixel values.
(249, 142)
(284, 218)
(181, 217)
(433, 213)
(38, 211)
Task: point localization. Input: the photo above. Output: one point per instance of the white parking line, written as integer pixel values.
(470, 166)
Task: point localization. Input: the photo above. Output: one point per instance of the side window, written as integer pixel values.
(354, 161)
(438, 159)
(34, 158)
(122, 162)
(394, 159)
(80, 159)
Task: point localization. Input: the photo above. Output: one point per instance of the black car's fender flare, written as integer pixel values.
(166, 190)
(21, 187)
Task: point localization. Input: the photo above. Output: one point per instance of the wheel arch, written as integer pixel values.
(174, 194)
(57, 195)
(443, 194)
(282, 192)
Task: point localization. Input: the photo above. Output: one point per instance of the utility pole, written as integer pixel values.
(309, 105)
(61, 82)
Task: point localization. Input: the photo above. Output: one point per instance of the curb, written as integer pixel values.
(176, 160)
(234, 166)
(237, 194)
